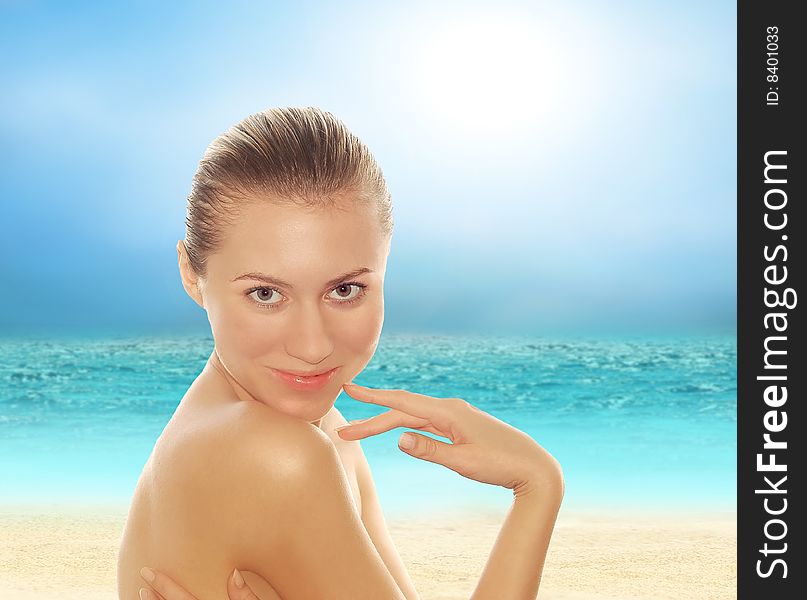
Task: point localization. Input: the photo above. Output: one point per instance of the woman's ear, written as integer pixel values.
(190, 281)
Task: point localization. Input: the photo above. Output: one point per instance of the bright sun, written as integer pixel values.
(500, 69)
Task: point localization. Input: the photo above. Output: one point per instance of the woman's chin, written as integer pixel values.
(307, 406)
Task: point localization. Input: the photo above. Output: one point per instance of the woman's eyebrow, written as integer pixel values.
(281, 283)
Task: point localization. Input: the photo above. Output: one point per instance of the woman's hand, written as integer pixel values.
(483, 447)
(168, 589)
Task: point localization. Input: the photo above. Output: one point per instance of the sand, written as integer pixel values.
(69, 553)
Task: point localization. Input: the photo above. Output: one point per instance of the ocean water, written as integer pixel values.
(636, 422)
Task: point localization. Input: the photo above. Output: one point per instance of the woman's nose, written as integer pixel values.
(308, 337)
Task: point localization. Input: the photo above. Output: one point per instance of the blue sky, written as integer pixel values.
(554, 166)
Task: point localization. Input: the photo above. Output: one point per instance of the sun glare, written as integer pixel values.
(491, 67)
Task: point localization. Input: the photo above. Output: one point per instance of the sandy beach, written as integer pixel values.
(69, 553)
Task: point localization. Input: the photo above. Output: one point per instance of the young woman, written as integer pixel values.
(288, 232)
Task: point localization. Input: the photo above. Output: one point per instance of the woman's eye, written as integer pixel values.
(262, 295)
(344, 294)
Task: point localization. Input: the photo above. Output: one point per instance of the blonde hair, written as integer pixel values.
(297, 155)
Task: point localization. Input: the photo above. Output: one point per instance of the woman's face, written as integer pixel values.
(326, 313)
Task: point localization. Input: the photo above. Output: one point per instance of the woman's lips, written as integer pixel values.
(302, 382)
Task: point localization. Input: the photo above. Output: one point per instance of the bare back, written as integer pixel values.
(178, 516)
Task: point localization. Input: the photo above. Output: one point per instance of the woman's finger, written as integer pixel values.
(237, 589)
(383, 423)
(417, 405)
(166, 586)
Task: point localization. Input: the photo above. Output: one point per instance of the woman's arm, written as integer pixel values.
(515, 564)
(513, 570)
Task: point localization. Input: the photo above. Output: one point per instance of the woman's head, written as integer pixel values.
(289, 194)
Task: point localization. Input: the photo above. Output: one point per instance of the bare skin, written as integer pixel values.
(482, 448)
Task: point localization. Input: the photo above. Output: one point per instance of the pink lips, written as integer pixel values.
(302, 382)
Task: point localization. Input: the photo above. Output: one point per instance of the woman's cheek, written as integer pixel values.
(360, 334)
(237, 333)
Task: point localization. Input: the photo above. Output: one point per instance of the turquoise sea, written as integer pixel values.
(637, 422)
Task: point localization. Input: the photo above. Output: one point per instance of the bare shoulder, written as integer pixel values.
(279, 447)
(248, 460)
(247, 439)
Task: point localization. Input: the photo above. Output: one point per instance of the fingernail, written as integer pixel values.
(147, 574)
(407, 441)
(237, 579)
(144, 594)
(341, 427)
